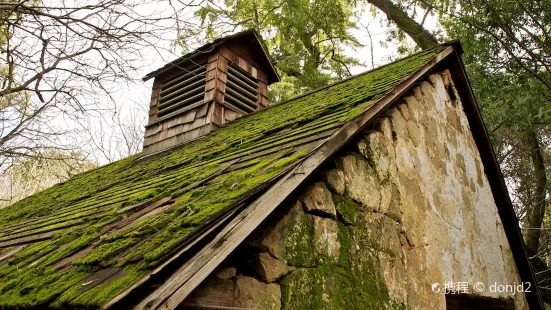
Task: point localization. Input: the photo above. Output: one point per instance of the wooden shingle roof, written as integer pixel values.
(91, 240)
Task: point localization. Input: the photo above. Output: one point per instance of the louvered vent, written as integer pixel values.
(182, 93)
(206, 89)
(241, 91)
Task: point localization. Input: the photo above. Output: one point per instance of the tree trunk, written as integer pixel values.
(536, 215)
(414, 30)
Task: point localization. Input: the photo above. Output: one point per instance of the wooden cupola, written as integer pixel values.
(207, 88)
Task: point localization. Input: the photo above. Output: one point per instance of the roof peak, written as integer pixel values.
(212, 45)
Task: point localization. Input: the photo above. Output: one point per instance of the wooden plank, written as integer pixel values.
(222, 64)
(198, 71)
(97, 278)
(243, 76)
(262, 101)
(152, 130)
(182, 87)
(222, 80)
(72, 257)
(233, 107)
(165, 144)
(218, 114)
(41, 226)
(162, 135)
(230, 91)
(149, 140)
(210, 85)
(252, 95)
(263, 88)
(246, 85)
(294, 144)
(223, 76)
(229, 115)
(262, 77)
(27, 240)
(211, 74)
(112, 304)
(191, 134)
(237, 104)
(219, 97)
(31, 231)
(213, 58)
(227, 53)
(179, 101)
(195, 270)
(189, 116)
(254, 72)
(201, 112)
(178, 69)
(209, 95)
(171, 132)
(179, 111)
(154, 95)
(243, 64)
(153, 104)
(175, 121)
(120, 224)
(11, 252)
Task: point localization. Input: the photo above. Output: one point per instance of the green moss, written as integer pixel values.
(333, 287)
(103, 292)
(346, 208)
(353, 283)
(345, 241)
(80, 241)
(105, 251)
(285, 162)
(299, 245)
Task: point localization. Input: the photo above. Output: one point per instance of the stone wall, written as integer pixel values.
(405, 205)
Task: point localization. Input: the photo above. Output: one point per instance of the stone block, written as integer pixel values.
(317, 199)
(226, 273)
(335, 180)
(414, 132)
(360, 180)
(398, 124)
(403, 108)
(251, 293)
(268, 268)
(214, 292)
(386, 128)
(326, 238)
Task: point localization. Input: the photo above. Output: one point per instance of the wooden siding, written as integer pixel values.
(190, 101)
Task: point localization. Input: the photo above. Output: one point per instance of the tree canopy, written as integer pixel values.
(306, 39)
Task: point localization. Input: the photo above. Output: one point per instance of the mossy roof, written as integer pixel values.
(82, 242)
